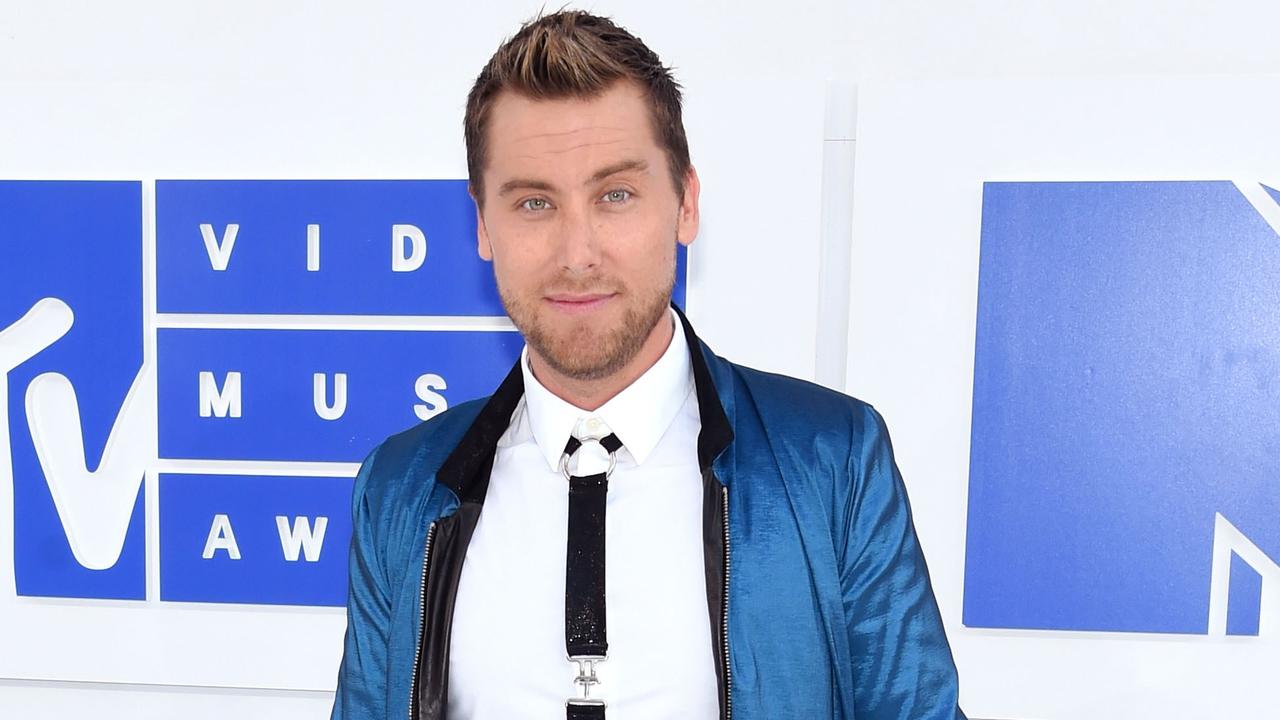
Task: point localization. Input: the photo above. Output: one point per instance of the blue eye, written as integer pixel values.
(616, 196)
(535, 204)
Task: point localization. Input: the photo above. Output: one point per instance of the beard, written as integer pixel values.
(577, 350)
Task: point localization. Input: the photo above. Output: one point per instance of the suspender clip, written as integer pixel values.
(586, 678)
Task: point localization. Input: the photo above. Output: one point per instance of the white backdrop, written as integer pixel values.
(144, 90)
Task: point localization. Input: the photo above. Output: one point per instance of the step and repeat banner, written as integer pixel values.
(1065, 300)
(1073, 327)
(190, 373)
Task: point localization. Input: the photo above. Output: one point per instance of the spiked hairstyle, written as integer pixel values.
(573, 54)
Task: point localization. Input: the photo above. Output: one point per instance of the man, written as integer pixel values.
(630, 526)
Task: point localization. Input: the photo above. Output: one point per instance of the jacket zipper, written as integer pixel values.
(724, 608)
(422, 619)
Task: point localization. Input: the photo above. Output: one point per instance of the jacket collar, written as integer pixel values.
(465, 470)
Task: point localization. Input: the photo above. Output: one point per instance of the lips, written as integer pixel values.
(578, 302)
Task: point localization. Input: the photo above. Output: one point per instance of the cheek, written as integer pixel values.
(639, 244)
(513, 274)
(515, 256)
(650, 251)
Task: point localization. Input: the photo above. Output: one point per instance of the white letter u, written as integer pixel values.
(319, 395)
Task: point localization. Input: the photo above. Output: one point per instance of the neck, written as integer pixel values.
(591, 394)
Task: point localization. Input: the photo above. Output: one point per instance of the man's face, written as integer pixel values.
(581, 220)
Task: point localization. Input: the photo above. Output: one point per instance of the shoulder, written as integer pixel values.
(789, 402)
(831, 451)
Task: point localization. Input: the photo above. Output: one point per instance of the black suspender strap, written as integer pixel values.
(585, 639)
(584, 628)
(578, 710)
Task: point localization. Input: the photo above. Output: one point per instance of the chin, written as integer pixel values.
(591, 345)
(582, 351)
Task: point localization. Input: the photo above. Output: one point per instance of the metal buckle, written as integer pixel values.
(564, 461)
(586, 678)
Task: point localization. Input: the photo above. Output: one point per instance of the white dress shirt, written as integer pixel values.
(507, 653)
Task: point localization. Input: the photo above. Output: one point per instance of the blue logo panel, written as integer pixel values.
(1126, 389)
(374, 247)
(254, 539)
(78, 244)
(253, 394)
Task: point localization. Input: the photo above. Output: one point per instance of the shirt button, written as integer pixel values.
(593, 424)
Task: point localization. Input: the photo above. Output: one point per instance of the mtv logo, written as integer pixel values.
(75, 396)
(1125, 453)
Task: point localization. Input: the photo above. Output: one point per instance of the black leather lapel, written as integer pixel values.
(714, 437)
(466, 470)
(449, 550)
(716, 433)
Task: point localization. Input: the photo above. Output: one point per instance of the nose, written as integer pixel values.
(579, 246)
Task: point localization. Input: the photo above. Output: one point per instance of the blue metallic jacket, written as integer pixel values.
(817, 591)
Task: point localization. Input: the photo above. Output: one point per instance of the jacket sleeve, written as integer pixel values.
(362, 676)
(902, 663)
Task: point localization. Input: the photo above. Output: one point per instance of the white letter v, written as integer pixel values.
(94, 507)
(219, 250)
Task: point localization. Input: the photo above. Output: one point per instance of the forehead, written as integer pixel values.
(569, 133)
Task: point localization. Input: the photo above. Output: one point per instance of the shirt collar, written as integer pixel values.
(639, 415)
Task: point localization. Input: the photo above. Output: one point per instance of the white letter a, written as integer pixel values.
(221, 537)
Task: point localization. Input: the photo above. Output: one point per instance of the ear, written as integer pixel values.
(687, 218)
(483, 247)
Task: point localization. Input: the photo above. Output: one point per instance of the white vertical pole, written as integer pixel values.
(836, 236)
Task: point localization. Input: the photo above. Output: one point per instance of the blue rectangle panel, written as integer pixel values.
(1126, 391)
(73, 248)
(264, 265)
(248, 560)
(394, 379)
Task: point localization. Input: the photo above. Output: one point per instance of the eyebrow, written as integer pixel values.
(619, 167)
(597, 176)
(522, 184)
